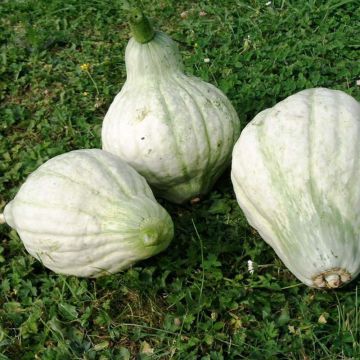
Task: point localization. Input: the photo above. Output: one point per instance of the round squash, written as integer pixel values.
(176, 130)
(296, 175)
(88, 213)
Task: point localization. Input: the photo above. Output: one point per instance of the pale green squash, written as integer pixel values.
(87, 213)
(176, 130)
(296, 175)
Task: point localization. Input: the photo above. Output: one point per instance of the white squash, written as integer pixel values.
(296, 175)
(176, 130)
(87, 213)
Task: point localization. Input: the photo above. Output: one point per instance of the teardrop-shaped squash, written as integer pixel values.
(87, 213)
(296, 175)
(176, 130)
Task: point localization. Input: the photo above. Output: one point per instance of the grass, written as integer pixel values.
(197, 300)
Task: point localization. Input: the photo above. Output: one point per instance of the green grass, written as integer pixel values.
(197, 300)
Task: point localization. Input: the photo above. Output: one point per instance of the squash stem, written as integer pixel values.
(332, 279)
(2, 219)
(140, 26)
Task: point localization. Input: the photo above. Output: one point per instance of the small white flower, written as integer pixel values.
(206, 60)
(358, 82)
(268, 3)
(202, 13)
(250, 267)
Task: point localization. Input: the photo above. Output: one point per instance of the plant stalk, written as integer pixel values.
(140, 26)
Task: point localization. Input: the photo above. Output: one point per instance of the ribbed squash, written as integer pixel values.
(296, 175)
(87, 213)
(176, 130)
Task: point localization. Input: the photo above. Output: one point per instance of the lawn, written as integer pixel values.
(61, 64)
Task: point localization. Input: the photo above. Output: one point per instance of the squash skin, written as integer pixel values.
(175, 130)
(87, 213)
(296, 174)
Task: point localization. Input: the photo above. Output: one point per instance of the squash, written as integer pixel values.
(87, 213)
(296, 175)
(176, 130)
